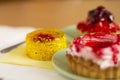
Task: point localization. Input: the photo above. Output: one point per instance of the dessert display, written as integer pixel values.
(42, 44)
(95, 55)
(99, 20)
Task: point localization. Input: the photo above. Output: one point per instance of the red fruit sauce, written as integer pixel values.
(43, 37)
(99, 20)
(98, 42)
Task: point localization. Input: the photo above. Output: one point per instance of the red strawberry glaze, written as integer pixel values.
(115, 59)
(99, 20)
(77, 47)
(101, 26)
(43, 37)
(115, 52)
(98, 42)
(77, 42)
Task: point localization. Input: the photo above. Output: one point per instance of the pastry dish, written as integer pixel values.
(99, 20)
(95, 56)
(42, 44)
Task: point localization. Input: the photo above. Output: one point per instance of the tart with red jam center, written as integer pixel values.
(99, 20)
(42, 44)
(95, 56)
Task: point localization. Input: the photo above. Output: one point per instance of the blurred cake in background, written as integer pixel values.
(42, 44)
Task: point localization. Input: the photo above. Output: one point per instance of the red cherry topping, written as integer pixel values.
(100, 8)
(99, 20)
(43, 37)
(99, 13)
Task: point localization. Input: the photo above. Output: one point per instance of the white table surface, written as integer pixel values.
(10, 36)
(16, 72)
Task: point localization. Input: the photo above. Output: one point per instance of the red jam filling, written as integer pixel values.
(115, 51)
(99, 20)
(76, 41)
(43, 37)
(98, 42)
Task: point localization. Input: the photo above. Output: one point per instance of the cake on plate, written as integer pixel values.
(42, 44)
(95, 56)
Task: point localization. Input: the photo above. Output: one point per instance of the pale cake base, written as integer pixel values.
(92, 70)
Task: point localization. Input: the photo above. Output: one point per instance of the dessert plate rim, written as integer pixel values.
(71, 33)
(61, 65)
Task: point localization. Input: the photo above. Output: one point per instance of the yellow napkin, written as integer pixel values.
(18, 56)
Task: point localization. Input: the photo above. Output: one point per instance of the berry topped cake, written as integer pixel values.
(99, 20)
(95, 55)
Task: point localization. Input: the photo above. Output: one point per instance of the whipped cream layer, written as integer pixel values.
(105, 57)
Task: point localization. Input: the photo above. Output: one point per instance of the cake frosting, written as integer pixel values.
(99, 20)
(102, 49)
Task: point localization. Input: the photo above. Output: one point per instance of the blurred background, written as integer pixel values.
(51, 13)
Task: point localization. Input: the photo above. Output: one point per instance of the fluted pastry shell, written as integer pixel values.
(89, 69)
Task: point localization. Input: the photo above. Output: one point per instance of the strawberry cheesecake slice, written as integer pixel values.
(95, 56)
